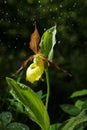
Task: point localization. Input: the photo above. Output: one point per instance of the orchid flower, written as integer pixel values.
(43, 54)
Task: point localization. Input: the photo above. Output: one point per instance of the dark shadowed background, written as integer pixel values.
(17, 20)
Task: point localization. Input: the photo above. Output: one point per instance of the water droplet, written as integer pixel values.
(44, 10)
(59, 42)
(38, 1)
(23, 128)
(40, 6)
(18, 10)
(6, 13)
(56, 8)
(44, 29)
(25, 43)
(60, 5)
(4, 32)
(48, 7)
(74, 5)
(61, 14)
(14, 19)
(50, 10)
(53, 17)
(17, 23)
(2, 19)
(16, 38)
(51, 0)
(5, 1)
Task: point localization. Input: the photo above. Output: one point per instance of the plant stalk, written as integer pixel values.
(48, 88)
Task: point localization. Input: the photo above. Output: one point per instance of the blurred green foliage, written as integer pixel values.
(17, 20)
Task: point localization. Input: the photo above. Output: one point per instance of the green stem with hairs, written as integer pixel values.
(48, 87)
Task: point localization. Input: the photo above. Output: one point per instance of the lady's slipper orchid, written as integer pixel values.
(35, 70)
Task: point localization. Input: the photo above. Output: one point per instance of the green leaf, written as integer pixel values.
(48, 41)
(5, 118)
(70, 109)
(16, 105)
(79, 104)
(17, 126)
(35, 108)
(84, 106)
(75, 121)
(39, 94)
(55, 126)
(79, 93)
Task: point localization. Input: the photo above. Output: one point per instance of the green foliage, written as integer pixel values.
(16, 105)
(70, 109)
(73, 122)
(48, 41)
(35, 109)
(5, 123)
(17, 126)
(79, 93)
(5, 118)
(77, 112)
(55, 126)
(79, 104)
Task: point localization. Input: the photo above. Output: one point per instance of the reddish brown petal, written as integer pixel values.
(56, 66)
(23, 65)
(34, 41)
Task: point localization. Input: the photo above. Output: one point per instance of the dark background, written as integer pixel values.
(17, 20)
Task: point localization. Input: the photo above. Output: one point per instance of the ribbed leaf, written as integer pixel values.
(48, 41)
(33, 105)
(75, 121)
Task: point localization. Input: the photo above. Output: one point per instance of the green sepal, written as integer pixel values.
(48, 41)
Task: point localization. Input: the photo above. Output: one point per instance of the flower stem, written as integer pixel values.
(48, 88)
